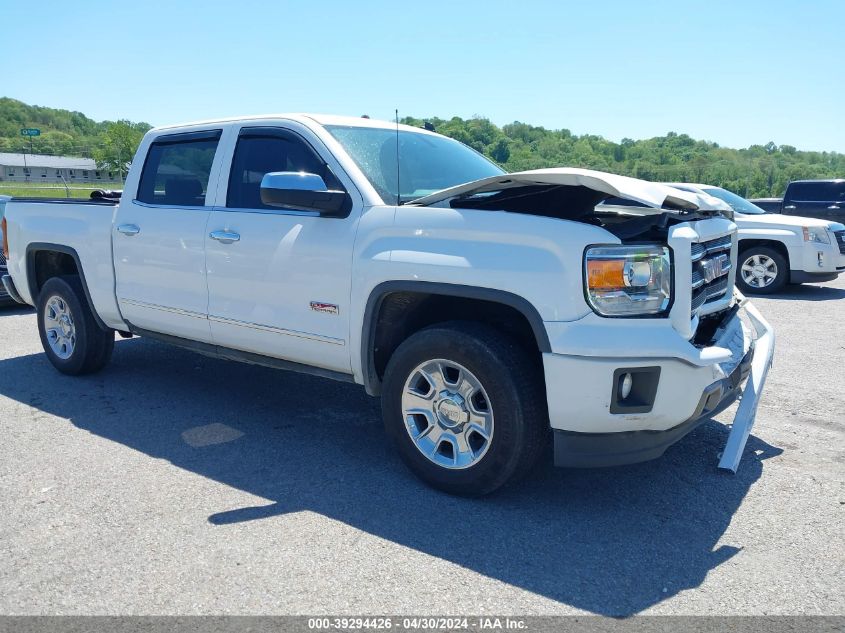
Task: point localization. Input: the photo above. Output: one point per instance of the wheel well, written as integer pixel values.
(744, 245)
(47, 264)
(401, 314)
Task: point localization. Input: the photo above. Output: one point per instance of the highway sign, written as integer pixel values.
(30, 131)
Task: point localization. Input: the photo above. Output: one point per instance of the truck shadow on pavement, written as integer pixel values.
(612, 541)
(14, 310)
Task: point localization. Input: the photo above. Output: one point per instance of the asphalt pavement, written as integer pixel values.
(172, 483)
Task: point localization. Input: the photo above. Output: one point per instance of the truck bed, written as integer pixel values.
(79, 228)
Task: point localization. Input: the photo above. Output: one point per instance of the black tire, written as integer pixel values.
(93, 345)
(779, 261)
(514, 385)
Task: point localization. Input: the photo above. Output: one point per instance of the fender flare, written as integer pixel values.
(371, 381)
(36, 247)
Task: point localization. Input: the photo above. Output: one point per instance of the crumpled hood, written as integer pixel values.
(648, 193)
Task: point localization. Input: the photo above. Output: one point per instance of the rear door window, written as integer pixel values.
(177, 169)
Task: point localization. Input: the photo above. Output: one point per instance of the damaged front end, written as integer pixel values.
(668, 263)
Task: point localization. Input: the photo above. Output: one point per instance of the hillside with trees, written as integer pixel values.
(64, 133)
(756, 171)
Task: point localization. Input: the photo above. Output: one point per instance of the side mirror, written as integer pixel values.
(303, 191)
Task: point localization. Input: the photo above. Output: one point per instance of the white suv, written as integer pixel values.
(777, 249)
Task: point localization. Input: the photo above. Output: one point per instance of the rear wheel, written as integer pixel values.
(762, 270)
(71, 338)
(465, 407)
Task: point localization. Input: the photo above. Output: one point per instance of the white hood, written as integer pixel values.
(648, 193)
(772, 220)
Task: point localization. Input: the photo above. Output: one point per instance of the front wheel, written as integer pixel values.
(762, 271)
(71, 338)
(465, 407)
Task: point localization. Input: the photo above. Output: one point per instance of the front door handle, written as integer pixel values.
(224, 237)
(129, 229)
(790, 206)
(833, 207)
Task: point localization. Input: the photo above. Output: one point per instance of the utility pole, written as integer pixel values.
(67, 189)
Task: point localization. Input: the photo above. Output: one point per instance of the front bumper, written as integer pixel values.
(813, 262)
(591, 429)
(803, 277)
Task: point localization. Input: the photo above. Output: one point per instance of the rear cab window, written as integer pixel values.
(177, 169)
(824, 191)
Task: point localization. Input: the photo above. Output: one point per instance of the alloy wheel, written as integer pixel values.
(447, 414)
(759, 271)
(59, 327)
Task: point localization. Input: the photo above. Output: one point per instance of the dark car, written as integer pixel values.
(822, 199)
(769, 205)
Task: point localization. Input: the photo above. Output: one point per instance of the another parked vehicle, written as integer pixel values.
(821, 199)
(777, 249)
(5, 299)
(768, 205)
(483, 307)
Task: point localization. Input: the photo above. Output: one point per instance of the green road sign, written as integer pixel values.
(30, 131)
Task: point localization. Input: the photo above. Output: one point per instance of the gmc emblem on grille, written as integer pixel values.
(714, 267)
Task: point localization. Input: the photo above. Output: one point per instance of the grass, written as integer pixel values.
(53, 190)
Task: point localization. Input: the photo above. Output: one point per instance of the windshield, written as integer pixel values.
(737, 203)
(427, 163)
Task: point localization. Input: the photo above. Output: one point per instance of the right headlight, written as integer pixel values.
(817, 234)
(628, 280)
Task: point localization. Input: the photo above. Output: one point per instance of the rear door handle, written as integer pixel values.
(833, 207)
(129, 229)
(790, 206)
(225, 237)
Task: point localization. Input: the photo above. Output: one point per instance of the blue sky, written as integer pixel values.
(736, 73)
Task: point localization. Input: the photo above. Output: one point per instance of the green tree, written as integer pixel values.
(119, 143)
(500, 151)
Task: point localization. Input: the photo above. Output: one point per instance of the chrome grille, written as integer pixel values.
(699, 250)
(840, 240)
(711, 263)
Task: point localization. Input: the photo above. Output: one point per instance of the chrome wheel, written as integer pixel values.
(759, 271)
(59, 327)
(447, 413)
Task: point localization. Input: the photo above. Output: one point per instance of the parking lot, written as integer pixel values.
(172, 483)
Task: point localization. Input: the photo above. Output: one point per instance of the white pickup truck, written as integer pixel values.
(485, 308)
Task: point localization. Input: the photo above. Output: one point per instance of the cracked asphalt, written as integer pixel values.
(172, 483)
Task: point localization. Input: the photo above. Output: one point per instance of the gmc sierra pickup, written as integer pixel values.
(485, 308)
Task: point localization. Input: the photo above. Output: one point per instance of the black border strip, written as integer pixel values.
(370, 377)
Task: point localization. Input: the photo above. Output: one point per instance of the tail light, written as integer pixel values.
(5, 239)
